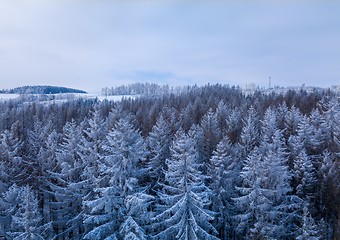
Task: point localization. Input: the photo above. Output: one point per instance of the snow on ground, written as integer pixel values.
(62, 97)
(101, 97)
(5, 96)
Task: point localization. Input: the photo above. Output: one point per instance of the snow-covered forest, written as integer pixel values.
(206, 163)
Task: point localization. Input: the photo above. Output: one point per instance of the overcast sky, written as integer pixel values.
(92, 44)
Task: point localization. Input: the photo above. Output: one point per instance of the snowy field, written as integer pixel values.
(4, 96)
(62, 97)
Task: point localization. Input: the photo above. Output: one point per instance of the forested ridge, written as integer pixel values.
(205, 163)
(41, 90)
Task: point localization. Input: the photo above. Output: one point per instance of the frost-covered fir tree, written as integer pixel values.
(303, 175)
(9, 203)
(224, 174)
(37, 137)
(291, 121)
(252, 203)
(329, 175)
(137, 207)
(330, 170)
(10, 161)
(211, 135)
(125, 152)
(281, 113)
(332, 124)
(186, 119)
(234, 125)
(159, 145)
(68, 186)
(250, 132)
(184, 196)
(90, 146)
(196, 134)
(307, 136)
(47, 158)
(268, 128)
(39, 161)
(27, 222)
(90, 150)
(309, 229)
(123, 156)
(276, 177)
(266, 209)
(130, 230)
(318, 121)
(222, 112)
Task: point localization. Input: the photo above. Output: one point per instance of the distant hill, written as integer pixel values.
(41, 90)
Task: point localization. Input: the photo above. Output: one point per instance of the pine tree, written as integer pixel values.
(234, 125)
(38, 162)
(318, 121)
(184, 196)
(159, 144)
(27, 222)
(330, 170)
(222, 112)
(268, 127)
(281, 114)
(186, 118)
(250, 133)
(47, 157)
(252, 203)
(307, 136)
(10, 160)
(90, 151)
(124, 154)
(303, 177)
(137, 211)
(37, 137)
(90, 147)
(68, 186)
(224, 176)
(130, 230)
(331, 124)
(196, 134)
(329, 175)
(211, 135)
(308, 230)
(266, 208)
(9, 204)
(291, 122)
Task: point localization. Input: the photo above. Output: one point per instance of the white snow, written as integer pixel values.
(5, 96)
(62, 97)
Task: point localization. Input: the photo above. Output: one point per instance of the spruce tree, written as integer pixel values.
(309, 229)
(68, 186)
(159, 145)
(123, 156)
(9, 204)
(27, 222)
(266, 208)
(184, 196)
(224, 175)
(249, 137)
(211, 135)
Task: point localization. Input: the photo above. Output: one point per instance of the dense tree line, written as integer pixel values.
(205, 163)
(41, 90)
(145, 89)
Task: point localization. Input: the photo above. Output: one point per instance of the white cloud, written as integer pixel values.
(81, 44)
